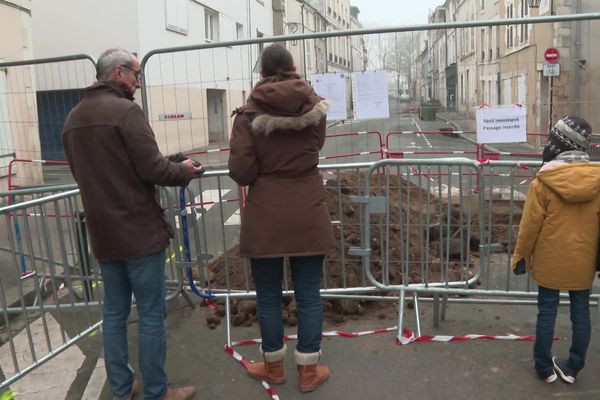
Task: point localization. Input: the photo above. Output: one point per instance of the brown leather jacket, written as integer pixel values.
(116, 162)
(275, 145)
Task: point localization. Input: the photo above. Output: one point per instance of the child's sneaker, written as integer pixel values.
(548, 376)
(566, 373)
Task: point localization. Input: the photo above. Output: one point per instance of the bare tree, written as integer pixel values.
(391, 52)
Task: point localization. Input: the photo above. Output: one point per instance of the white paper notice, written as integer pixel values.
(332, 87)
(502, 125)
(370, 94)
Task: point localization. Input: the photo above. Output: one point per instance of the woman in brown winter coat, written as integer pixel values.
(275, 145)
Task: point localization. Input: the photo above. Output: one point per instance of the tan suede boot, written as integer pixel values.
(310, 374)
(271, 370)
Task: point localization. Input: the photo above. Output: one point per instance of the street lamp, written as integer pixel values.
(534, 3)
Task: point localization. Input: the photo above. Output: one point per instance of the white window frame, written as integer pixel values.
(211, 25)
(239, 31)
(507, 91)
(510, 29)
(524, 28)
(176, 16)
(522, 89)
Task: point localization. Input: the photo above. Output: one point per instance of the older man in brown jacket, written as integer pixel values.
(116, 162)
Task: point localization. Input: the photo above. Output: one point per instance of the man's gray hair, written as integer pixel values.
(109, 59)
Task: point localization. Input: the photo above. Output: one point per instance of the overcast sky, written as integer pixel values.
(394, 12)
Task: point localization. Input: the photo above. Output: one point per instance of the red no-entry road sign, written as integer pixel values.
(551, 55)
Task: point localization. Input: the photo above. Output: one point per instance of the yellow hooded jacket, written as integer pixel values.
(558, 233)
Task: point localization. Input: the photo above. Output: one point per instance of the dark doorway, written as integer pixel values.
(53, 107)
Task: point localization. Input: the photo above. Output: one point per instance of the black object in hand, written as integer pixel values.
(179, 157)
(520, 267)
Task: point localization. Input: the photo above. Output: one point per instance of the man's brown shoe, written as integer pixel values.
(184, 393)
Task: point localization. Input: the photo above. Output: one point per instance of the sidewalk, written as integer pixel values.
(375, 366)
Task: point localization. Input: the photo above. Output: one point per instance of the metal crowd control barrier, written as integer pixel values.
(53, 302)
(438, 227)
(17, 167)
(210, 158)
(352, 147)
(456, 219)
(397, 143)
(36, 96)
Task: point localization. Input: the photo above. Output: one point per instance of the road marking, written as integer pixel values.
(414, 121)
(235, 219)
(424, 137)
(211, 196)
(42, 383)
(93, 390)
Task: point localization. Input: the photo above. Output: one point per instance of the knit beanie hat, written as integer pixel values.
(569, 133)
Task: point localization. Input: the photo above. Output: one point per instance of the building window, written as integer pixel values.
(524, 29)
(176, 16)
(507, 91)
(211, 25)
(239, 31)
(482, 38)
(491, 35)
(6, 140)
(510, 29)
(522, 89)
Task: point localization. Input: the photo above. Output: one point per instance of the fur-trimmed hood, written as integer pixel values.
(265, 124)
(290, 104)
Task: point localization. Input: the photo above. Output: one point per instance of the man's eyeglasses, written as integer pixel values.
(138, 74)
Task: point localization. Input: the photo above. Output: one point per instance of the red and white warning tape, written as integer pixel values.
(407, 337)
(288, 338)
(238, 357)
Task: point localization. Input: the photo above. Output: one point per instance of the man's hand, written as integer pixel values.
(520, 267)
(193, 168)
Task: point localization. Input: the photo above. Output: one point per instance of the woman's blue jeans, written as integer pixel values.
(145, 278)
(307, 273)
(548, 300)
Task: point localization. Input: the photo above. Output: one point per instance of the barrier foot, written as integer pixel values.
(417, 315)
(436, 310)
(187, 298)
(444, 306)
(401, 298)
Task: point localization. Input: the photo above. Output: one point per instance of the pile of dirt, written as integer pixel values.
(447, 230)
